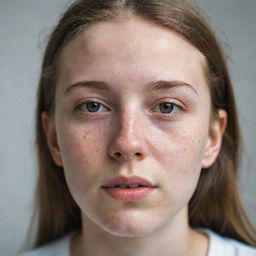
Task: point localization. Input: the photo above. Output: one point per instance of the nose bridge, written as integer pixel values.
(130, 124)
(129, 139)
(129, 119)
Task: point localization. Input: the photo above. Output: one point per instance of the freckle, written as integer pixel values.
(85, 135)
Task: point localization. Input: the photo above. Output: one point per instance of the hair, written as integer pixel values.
(215, 203)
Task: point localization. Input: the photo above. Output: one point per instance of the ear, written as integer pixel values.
(51, 137)
(213, 145)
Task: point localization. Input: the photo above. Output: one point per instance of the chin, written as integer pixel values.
(126, 230)
(130, 224)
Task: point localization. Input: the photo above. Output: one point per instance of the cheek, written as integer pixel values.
(80, 144)
(180, 155)
(182, 145)
(82, 151)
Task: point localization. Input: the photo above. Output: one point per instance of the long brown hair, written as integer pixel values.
(215, 203)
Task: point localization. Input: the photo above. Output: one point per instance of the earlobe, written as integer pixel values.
(51, 137)
(213, 145)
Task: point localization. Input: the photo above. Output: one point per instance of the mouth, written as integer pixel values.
(129, 188)
(126, 186)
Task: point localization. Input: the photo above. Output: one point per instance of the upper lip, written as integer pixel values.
(133, 180)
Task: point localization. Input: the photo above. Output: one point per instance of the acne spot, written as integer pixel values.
(85, 135)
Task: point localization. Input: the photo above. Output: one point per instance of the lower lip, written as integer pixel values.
(129, 194)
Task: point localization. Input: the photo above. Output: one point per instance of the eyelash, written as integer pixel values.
(174, 106)
(89, 101)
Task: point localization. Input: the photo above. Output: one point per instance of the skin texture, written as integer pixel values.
(129, 135)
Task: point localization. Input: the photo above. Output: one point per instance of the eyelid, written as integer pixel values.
(90, 100)
(173, 101)
(177, 103)
(172, 112)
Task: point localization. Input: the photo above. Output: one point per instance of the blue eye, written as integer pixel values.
(167, 108)
(91, 106)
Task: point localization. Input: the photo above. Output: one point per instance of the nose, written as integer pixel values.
(129, 141)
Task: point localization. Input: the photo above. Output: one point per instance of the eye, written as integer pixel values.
(167, 108)
(91, 106)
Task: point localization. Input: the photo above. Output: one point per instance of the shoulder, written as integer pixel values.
(57, 247)
(219, 245)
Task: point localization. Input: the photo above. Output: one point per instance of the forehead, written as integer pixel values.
(130, 48)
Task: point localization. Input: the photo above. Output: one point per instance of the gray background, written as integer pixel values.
(24, 26)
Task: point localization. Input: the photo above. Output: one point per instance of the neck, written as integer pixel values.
(172, 239)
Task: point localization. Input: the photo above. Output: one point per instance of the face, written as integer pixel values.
(132, 100)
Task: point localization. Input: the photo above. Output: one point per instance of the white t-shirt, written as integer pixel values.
(218, 246)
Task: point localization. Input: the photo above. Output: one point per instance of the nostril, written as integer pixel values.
(119, 155)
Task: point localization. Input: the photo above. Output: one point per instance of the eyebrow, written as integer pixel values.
(94, 84)
(164, 85)
(153, 86)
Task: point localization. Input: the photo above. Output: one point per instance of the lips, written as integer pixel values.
(128, 182)
(129, 188)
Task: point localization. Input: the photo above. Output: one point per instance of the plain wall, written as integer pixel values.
(24, 26)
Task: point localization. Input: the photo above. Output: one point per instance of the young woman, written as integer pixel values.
(137, 136)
